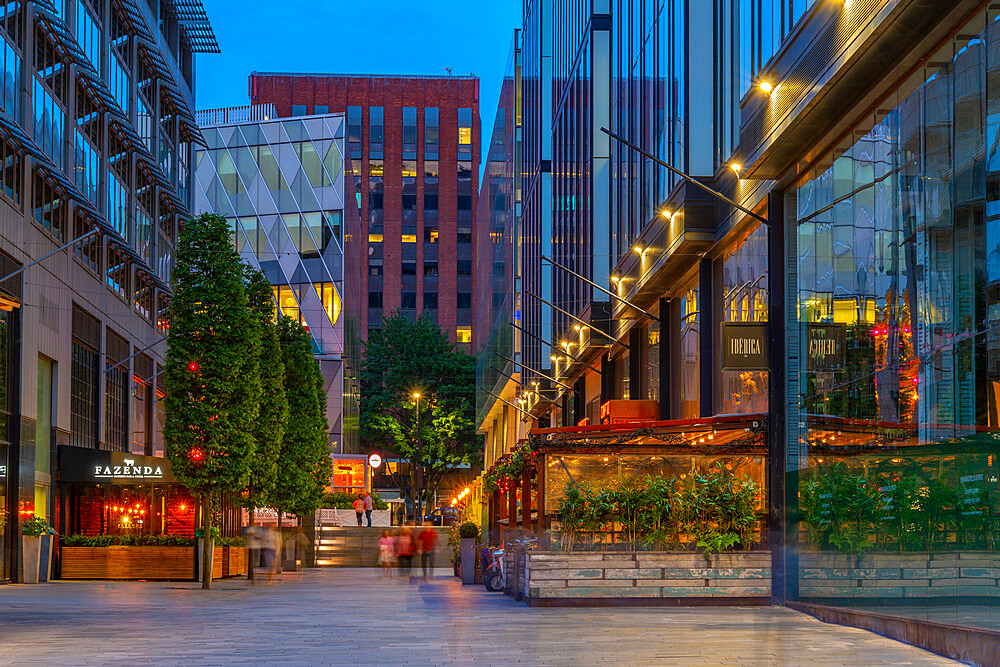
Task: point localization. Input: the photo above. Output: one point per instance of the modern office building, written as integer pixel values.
(97, 130)
(830, 336)
(414, 144)
(280, 183)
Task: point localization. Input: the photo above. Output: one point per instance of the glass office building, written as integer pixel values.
(280, 183)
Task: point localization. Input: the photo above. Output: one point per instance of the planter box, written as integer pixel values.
(235, 559)
(172, 563)
(830, 576)
(548, 578)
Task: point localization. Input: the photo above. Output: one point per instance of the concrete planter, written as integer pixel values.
(468, 555)
(31, 553)
(831, 576)
(642, 578)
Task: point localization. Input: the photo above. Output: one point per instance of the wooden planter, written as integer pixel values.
(234, 561)
(172, 563)
(881, 576)
(640, 578)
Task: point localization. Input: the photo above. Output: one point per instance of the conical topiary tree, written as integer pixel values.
(212, 376)
(269, 427)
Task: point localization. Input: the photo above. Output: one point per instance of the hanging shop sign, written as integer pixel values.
(744, 346)
(374, 460)
(826, 347)
(79, 464)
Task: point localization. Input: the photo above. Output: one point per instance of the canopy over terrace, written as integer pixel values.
(610, 452)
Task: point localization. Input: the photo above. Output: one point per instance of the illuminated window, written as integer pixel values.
(463, 334)
(430, 234)
(330, 299)
(287, 303)
(465, 135)
(409, 238)
(374, 238)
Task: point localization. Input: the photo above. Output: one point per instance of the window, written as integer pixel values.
(330, 298)
(117, 205)
(464, 203)
(48, 123)
(430, 234)
(116, 274)
(48, 208)
(374, 299)
(409, 300)
(464, 234)
(120, 83)
(83, 396)
(430, 299)
(464, 267)
(430, 268)
(354, 132)
(463, 335)
(298, 110)
(116, 378)
(409, 133)
(87, 166)
(88, 34)
(375, 133)
(465, 133)
(431, 132)
(409, 234)
(375, 267)
(88, 250)
(464, 300)
(321, 109)
(409, 268)
(11, 70)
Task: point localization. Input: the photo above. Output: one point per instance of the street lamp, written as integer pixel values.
(416, 451)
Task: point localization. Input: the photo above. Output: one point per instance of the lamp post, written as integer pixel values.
(417, 481)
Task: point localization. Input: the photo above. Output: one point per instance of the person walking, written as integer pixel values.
(385, 554)
(427, 540)
(359, 507)
(404, 553)
(369, 506)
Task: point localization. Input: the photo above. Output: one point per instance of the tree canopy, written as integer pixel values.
(436, 432)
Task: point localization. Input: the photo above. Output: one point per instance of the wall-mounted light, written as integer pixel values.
(736, 166)
(666, 214)
(638, 250)
(766, 86)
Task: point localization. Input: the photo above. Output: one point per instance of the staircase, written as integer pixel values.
(358, 547)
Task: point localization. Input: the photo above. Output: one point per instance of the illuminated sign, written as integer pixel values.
(744, 346)
(128, 470)
(374, 460)
(826, 346)
(93, 466)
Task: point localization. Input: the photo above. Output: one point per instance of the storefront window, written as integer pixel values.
(83, 396)
(653, 358)
(744, 276)
(893, 418)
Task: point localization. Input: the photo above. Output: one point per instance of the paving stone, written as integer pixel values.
(355, 616)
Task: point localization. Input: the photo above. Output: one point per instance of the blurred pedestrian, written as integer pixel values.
(427, 541)
(359, 507)
(271, 550)
(255, 544)
(386, 553)
(369, 506)
(404, 553)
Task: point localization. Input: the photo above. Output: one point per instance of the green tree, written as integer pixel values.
(436, 432)
(269, 427)
(304, 465)
(212, 375)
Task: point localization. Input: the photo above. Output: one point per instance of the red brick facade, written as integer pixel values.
(394, 93)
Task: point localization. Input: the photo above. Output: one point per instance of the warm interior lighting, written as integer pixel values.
(765, 86)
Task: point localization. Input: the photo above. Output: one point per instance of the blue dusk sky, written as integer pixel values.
(357, 37)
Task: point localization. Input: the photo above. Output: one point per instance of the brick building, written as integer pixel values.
(414, 144)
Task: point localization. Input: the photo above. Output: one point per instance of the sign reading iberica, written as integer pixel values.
(744, 346)
(826, 347)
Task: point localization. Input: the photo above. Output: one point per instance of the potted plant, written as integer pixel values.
(33, 531)
(468, 533)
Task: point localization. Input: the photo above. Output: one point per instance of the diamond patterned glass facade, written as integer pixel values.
(280, 183)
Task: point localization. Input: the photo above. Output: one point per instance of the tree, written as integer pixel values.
(434, 433)
(304, 457)
(212, 375)
(269, 427)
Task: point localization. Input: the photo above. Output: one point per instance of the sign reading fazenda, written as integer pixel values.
(744, 346)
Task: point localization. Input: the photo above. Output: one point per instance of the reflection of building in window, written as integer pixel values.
(463, 334)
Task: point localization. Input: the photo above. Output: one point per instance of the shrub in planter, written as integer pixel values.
(34, 561)
(467, 530)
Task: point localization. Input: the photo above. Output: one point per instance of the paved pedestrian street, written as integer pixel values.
(353, 616)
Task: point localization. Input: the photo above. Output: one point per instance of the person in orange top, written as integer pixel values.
(359, 507)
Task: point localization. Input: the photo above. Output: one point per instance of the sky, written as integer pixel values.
(357, 37)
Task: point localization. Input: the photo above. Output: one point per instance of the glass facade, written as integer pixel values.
(280, 183)
(894, 371)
